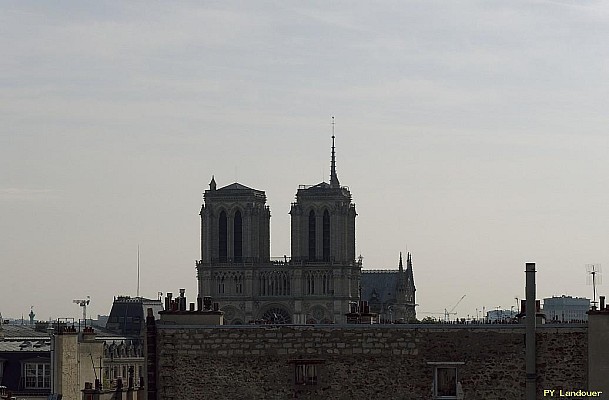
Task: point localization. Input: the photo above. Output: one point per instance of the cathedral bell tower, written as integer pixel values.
(235, 225)
(323, 221)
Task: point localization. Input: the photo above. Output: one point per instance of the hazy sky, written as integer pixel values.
(472, 134)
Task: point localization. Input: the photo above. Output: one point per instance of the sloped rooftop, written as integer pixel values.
(379, 285)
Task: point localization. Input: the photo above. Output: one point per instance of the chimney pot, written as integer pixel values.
(207, 302)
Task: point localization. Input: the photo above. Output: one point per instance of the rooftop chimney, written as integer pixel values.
(531, 318)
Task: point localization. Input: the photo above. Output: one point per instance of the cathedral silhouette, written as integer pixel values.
(317, 284)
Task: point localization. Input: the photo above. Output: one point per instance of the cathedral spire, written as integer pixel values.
(409, 274)
(212, 184)
(401, 265)
(334, 183)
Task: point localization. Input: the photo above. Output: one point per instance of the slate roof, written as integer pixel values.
(381, 283)
(236, 186)
(235, 190)
(21, 331)
(23, 338)
(128, 314)
(22, 346)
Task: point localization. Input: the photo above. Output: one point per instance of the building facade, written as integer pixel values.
(566, 308)
(314, 285)
(123, 339)
(499, 315)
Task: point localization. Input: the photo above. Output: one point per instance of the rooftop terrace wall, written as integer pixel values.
(364, 362)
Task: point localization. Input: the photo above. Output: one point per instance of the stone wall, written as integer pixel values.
(363, 362)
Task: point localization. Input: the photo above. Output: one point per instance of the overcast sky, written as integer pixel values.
(472, 134)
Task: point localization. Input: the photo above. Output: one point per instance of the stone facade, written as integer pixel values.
(75, 354)
(363, 362)
(316, 284)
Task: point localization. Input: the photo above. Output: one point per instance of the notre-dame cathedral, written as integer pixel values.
(320, 279)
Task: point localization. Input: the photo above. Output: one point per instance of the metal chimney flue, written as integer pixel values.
(602, 298)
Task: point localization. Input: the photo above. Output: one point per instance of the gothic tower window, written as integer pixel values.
(262, 284)
(310, 283)
(326, 236)
(272, 286)
(221, 284)
(286, 283)
(239, 284)
(238, 237)
(312, 248)
(325, 288)
(222, 237)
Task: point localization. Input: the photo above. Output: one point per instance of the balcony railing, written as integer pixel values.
(285, 260)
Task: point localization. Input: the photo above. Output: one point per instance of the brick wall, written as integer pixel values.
(363, 362)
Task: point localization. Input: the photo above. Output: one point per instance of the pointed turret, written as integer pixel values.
(409, 273)
(411, 313)
(401, 282)
(212, 183)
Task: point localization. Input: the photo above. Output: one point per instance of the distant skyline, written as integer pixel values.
(471, 134)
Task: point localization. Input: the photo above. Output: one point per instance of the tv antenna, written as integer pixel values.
(138, 271)
(594, 278)
(83, 304)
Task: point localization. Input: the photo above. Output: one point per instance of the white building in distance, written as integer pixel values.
(566, 308)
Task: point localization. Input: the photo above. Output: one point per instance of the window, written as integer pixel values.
(238, 237)
(37, 375)
(262, 284)
(274, 283)
(307, 372)
(222, 237)
(221, 285)
(445, 380)
(326, 236)
(312, 234)
(238, 284)
(326, 281)
(310, 282)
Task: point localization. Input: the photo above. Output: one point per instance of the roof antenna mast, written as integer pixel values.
(138, 271)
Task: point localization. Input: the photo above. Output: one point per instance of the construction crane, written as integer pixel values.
(83, 304)
(447, 313)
